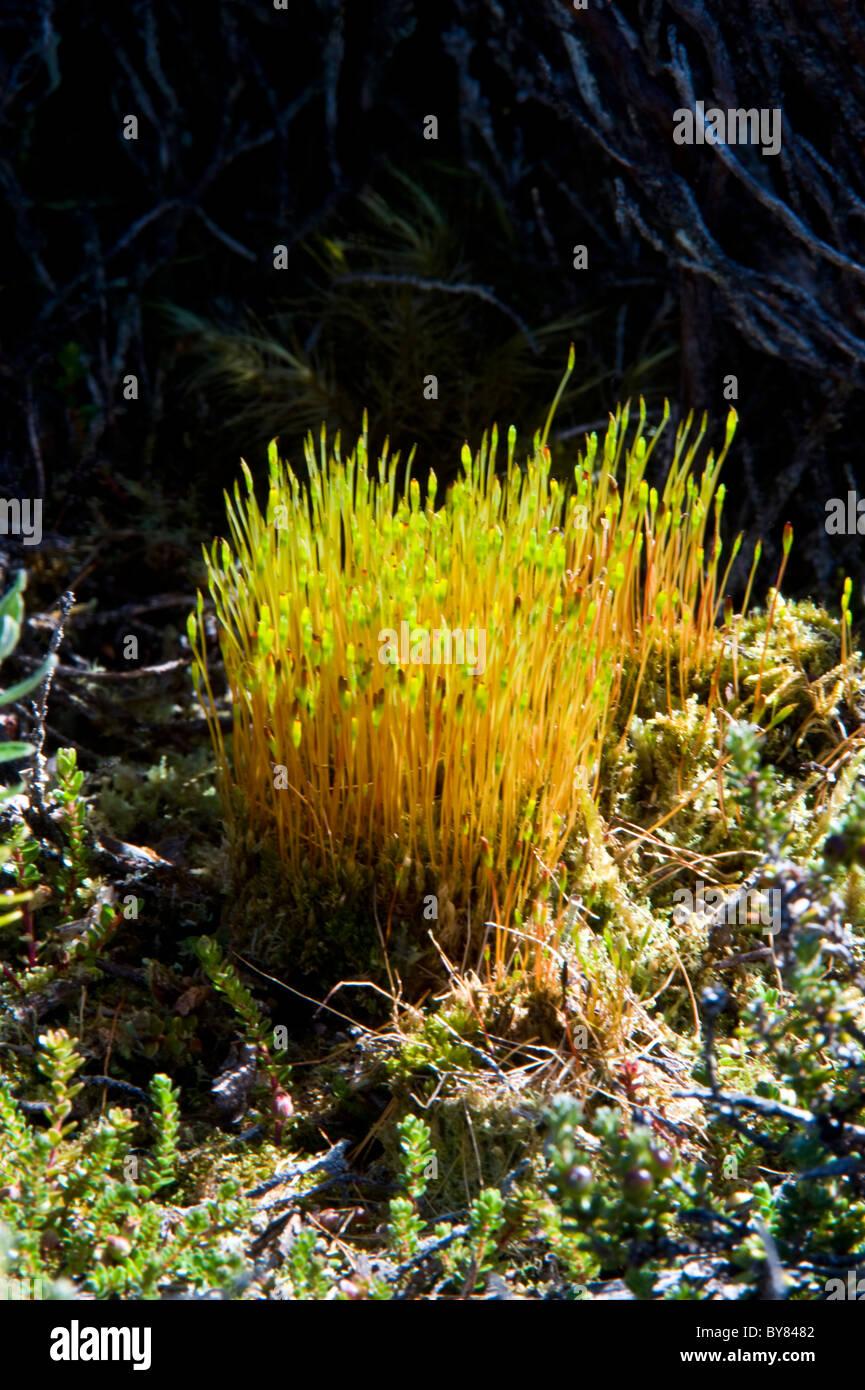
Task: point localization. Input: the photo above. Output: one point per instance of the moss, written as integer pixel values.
(326, 926)
(220, 1157)
(465, 773)
(479, 1138)
(666, 761)
(132, 798)
(435, 1043)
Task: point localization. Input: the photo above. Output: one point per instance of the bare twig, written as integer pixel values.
(39, 779)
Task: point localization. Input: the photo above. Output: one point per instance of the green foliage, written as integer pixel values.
(21, 855)
(226, 980)
(614, 1188)
(468, 1260)
(630, 1183)
(311, 1276)
(418, 1157)
(418, 1161)
(468, 1253)
(70, 1196)
(256, 1031)
(178, 790)
(72, 880)
(167, 1126)
(11, 619)
(784, 1068)
(437, 1044)
(754, 786)
(50, 888)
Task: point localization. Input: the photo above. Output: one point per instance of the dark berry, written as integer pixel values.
(638, 1184)
(662, 1161)
(579, 1179)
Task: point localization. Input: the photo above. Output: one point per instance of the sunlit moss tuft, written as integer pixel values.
(350, 755)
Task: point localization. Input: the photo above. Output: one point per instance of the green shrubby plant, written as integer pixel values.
(470, 1259)
(406, 1224)
(615, 1186)
(39, 874)
(257, 1031)
(11, 620)
(73, 884)
(12, 903)
(311, 1275)
(64, 913)
(81, 1203)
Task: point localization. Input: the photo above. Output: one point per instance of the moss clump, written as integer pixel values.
(132, 798)
(479, 1139)
(426, 692)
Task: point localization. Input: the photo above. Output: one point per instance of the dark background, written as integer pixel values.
(304, 127)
